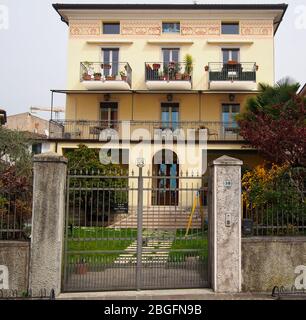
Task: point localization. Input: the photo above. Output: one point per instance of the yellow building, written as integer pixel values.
(164, 69)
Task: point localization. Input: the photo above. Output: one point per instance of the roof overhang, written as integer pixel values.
(67, 10)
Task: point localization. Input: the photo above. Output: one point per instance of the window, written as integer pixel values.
(171, 27)
(230, 28)
(229, 112)
(37, 148)
(109, 113)
(110, 61)
(170, 115)
(171, 55)
(111, 28)
(230, 54)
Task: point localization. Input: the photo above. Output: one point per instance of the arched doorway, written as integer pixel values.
(166, 181)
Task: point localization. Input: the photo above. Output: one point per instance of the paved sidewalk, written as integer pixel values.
(189, 294)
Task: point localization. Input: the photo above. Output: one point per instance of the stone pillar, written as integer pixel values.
(225, 225)
(48, 222)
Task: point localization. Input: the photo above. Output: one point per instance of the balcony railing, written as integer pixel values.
(100, 72)
(171, 71)
(103, 130)
(232, 71)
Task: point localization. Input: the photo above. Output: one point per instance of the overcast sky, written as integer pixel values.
(33, 49)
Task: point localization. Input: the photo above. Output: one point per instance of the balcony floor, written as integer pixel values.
(106, 85)
(168, 85)
(233, 85)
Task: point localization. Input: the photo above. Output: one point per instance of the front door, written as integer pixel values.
(167, 183)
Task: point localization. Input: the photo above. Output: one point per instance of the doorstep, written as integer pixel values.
(177, 294)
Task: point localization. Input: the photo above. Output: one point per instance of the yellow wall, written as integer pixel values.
(206, 107)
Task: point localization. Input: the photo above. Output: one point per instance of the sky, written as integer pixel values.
(33, 49)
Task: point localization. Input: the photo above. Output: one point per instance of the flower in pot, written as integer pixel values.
(156, 66)
(106, 66)
(110, 78)
(97, 76)
(188, 60)
(86, 76)
(123, 75)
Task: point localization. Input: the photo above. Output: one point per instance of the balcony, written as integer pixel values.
(168, 76)
(106, 76)
(232, 76)
(103, 130)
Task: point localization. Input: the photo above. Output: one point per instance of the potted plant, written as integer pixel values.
(206, 68)
(110, 78)
(156, 66)
(86, 76)
(188, 60)
(106, 66)
(123, 75)
(177, 70)
(97, 76)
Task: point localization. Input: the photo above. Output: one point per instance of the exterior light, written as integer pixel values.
(169, 97)
(231, 97)
(140, 162)
(107, 97)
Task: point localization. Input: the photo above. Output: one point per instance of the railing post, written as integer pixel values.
(140, 164)
(48, 222)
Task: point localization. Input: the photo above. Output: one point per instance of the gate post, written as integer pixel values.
(140, 164)
(225, 225)
(47, 222)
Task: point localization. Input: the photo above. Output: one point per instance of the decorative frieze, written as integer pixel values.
(92, 28)
(257, 28)
(200, 28)
(141, 28)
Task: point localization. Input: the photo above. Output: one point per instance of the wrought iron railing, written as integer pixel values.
(242, 71)
(96, 130)
(112, 71)
(169, 71)
(278, 209)
(15, 216)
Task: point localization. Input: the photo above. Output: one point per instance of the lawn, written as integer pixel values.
(195, 240)
(95, 239)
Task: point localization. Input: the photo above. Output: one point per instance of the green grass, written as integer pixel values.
(195, 240)
(93, 239)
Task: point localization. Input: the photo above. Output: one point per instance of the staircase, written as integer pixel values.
(161, 217)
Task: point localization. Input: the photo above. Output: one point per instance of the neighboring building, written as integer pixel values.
(3, 117)
(37, 128)
(128, 63)
(303, 91)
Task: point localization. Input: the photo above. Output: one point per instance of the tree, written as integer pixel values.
(275, 123)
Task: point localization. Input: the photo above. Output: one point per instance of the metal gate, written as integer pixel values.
(117, 239)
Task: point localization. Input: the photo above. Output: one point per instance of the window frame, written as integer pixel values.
(111, 23)
(236, 23)
(171, 22)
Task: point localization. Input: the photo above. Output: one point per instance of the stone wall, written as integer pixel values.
(14, 258)
(271, 261)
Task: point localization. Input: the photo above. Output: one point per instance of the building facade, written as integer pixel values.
(169, 74)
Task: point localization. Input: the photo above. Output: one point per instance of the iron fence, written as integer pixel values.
(15, 216)
(278, 209)
(245, 71)
(282, 293)
(111, 71)
(102, 130)
(168, 71)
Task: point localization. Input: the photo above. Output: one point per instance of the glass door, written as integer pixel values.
(110, 62)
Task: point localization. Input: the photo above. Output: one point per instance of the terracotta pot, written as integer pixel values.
(86, 77)
(110, 78)
(97, 78)
(186, 77)
(156, 66)
(178, 76)
(123, 78)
